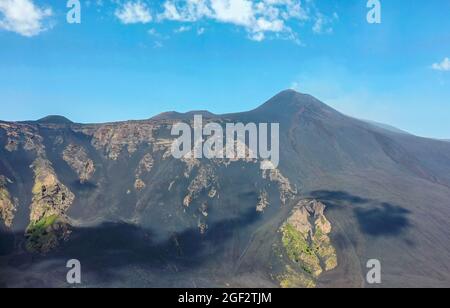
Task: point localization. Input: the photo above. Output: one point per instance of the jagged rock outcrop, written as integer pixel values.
(163, 145)
(50, 202)
(306, 241)
(76, 157)
(204, 180)
(139, 184)
(202, 219)
(145, 166)
(24, 136)
(203, 227)
(50, 196)
(114, 138)
(263, 201)
(284, 185)
(7, 205)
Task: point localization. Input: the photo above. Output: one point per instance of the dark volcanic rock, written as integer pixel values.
(113, 196)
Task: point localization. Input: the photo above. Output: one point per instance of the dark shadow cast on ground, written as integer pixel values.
(375, 218)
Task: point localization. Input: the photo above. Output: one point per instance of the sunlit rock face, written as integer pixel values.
(7, 206)
(306, 241)
(77, 158)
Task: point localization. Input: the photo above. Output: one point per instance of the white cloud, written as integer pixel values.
(185, 11)
(258, 36)
(182, 29)
(259, 18)
(239, 12)
(442, 66)
(23, 17)
(134, 13)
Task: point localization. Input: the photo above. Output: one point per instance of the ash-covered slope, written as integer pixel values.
(112, 196)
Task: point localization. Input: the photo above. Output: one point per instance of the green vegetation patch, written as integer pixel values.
(299, 250)
(39, 238)
(293, 279)
(294, 243)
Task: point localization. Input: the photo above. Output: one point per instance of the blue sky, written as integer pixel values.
(132, 59)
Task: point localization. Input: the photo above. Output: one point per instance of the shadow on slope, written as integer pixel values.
(106, 250)
(385, 220)
(375, 218)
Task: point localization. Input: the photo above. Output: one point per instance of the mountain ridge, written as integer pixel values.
(113, 194)
(301, 100)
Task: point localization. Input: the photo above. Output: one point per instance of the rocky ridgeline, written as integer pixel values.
(306, 241)
(51, 198)
(24, 136)
(112, 139)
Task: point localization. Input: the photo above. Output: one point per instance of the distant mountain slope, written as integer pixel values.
(173, 115)
(54, 119)
(346, 191)
(387, 127)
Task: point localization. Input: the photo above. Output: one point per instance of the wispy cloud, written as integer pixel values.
(257, 17)
(134, 13)
(444, 65)
(182, 29)
(324, 24)
(260, 18)
(23, 17)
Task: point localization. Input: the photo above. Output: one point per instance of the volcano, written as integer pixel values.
(111, 196)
